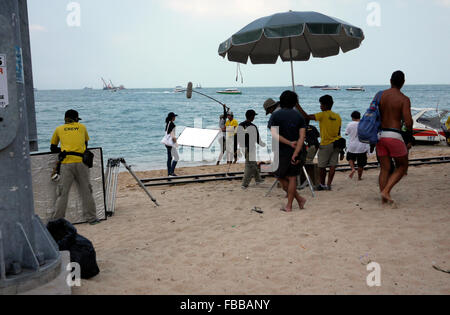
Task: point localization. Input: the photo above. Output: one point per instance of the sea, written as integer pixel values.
(130, 123)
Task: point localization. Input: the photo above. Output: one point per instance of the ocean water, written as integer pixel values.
(130, 123)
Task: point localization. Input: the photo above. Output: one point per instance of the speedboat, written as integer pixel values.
(230, 91)
(178, 89)
(428, 124)
(331, 88)
(356, 88)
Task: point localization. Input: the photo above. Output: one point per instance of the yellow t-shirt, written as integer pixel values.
(447, 124)
(330, 126)
(231, 127)
(73, 138)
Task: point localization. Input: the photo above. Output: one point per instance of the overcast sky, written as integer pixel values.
(164, 43)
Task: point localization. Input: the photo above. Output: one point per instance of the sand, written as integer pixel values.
(204, 239)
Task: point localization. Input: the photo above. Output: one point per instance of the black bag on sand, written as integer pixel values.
(81, 249)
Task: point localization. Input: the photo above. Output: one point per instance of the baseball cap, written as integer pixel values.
(250, 113)
(172, 115)
(269, 103)
(72, 114)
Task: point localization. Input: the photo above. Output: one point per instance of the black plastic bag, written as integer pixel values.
(81, 249)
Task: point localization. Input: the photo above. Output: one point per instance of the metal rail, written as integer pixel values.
(204, 178)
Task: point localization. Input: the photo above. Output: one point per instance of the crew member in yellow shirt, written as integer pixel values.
(231, 129)
(330, 131)
(74, 138)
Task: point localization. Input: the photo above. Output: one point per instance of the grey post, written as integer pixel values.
(29, 257)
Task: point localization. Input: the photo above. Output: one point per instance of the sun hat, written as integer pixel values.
(268, 104)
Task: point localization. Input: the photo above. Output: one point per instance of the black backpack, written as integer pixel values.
(81, 249)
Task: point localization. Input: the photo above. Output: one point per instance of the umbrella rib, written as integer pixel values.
(253, 48)
(307, 42)
(279, 47)
(339, 46)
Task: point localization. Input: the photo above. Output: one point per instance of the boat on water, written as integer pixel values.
(178, 89)
(110, 86)
(230, 91)
(319, 86)
(198, 87)
(428, 124)
(356, 89)
(331, 88)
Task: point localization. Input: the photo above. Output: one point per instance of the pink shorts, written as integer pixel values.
(391, 147)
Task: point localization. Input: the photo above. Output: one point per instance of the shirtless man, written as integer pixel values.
(395, 109)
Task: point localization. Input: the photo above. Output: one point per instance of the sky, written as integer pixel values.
(165, 43)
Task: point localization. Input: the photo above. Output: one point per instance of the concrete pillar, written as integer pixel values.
(28, 254)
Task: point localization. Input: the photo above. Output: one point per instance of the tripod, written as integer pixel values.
(111, 175)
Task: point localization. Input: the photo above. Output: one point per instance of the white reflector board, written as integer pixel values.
(197, 138)
(44, 189)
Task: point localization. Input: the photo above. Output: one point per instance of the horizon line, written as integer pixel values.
(255, 86)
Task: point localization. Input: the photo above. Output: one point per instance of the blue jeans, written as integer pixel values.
(172, 159)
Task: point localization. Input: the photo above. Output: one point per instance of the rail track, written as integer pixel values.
(216, 177)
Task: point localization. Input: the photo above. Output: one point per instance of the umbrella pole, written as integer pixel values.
(292, 65)
(292, 72)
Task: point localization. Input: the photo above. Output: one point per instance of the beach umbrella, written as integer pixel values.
(292, 36)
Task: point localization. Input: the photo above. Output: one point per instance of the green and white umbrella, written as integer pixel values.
(292, 36)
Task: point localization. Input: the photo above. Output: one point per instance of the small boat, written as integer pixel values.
(428, 124)
(331, 88)
(319, 86)
(178, 89)
(111, 87)
(356, 88)
(198, 87)
(230, 91)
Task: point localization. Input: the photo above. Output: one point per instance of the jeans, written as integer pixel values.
(172, 159)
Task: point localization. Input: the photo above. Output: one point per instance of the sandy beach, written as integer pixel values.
(204, 239)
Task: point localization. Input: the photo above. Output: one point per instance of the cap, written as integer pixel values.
(72, 114)
(250, 114)
(269, 103)
(172, 115)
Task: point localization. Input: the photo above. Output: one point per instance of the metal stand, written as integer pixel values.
(308, 182)
(112, 173)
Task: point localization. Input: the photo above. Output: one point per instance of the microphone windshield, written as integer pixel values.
(189, 90)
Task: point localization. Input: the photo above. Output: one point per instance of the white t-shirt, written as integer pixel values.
(355, 146)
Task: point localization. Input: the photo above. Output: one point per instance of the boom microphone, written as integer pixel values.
(189, 90)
